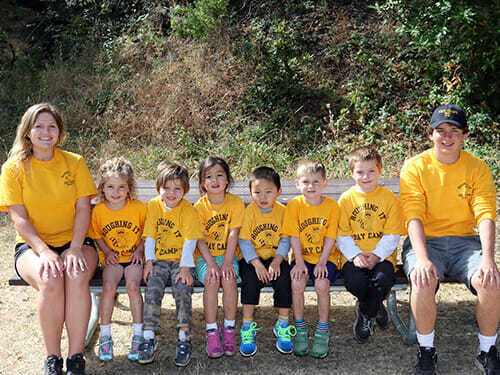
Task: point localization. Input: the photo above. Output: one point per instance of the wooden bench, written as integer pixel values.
(147, 190)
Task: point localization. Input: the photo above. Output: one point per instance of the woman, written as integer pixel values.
(47, 193)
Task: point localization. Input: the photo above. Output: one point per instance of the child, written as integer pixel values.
(221, 214)
(171, 231)
(369, 229)
(311, 222)
(116, 225)
(265, 251)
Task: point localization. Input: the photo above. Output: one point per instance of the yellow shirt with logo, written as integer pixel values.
(311, 224)
(217, 220)
(171, 228)
(264, 230)
(121, 230)
(366, 217)
(49, 191)
(450, 200)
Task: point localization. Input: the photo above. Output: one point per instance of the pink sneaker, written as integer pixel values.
(214, 350)
(228, 342)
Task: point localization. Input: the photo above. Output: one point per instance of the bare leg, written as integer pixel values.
(210, 300)
(298, 288)
(111, 276)
(283, 311)
(248, 311)
(230, 298)
(322, 288)
(423, 307)
(487, 308)
(133, 276)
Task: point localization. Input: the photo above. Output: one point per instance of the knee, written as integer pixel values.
(298, 287)
(489, 292)
(322, 287)
(212, 285)
(108, 287)
(133, 288)
(229, 284)
(52, 287)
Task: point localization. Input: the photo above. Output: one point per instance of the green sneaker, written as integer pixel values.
(320, 345)
(301, 345)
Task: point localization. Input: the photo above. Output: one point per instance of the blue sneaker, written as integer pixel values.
(105, 348)
(147, 351)
(247, 335)
(284, 333)
(133, 353)
(182, 353)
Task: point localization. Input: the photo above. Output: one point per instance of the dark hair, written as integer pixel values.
(208, 163)
(265, 173)
(364, 154)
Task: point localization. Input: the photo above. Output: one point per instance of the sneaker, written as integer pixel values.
(301, 345)
(147, 351)
(489, 363)
(284, 334)
(214, 349)
(105, 348)
(228, 341)
(182, 353)
(382, 318)
(320, 344)
(53, 365)
(75, 365)
(363, 327)
(427, 360)
(133, 353)
(247, 335)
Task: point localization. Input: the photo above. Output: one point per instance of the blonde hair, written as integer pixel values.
(22, 148)
(116, 167)
(364, 154)
(310, 167)
(168, 171)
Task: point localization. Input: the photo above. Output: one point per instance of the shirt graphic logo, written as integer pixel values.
(313, 235)
(464, 190)
(68, 178)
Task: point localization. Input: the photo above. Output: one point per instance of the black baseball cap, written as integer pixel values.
(450, 113)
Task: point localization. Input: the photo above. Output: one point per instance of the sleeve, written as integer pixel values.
(237, 216)
(200, 209)
(483, 200)
(191, 226)
(247, 249)
(142, 215)
(188, 249)
(94, 227)
(246, 224)
(291, 220)
(348, 247)
(150, 249)
(412, 194)
(85, 184)
(149, 224)
(283, 247)
(344, 225)
(394, 222)
(11, 192)
(386, 246)
(333, 221)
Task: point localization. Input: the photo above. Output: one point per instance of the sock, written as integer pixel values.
(148, 334)
(322, 327)
(183, 335)
(486, 342)
(211, 326)
(283, 320)
(247, 322)
(427, 341)
(137, 329)
(300, 323)
(105, 330)
(229, 323)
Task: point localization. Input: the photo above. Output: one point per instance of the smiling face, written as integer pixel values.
(311, 185)
(172, 192)
(366, 175)
(448, 140)
(116, 192)
(215, 180)
(44, 134)
(264, 193)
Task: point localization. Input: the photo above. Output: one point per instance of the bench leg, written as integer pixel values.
(94, 317)
(407, 333)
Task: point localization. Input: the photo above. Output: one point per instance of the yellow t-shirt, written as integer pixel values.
(450, 200)
(121, 230)
(171, 228)
(311, 224)
(366, 217)
(263, 230)
(49, 191)
(217, 220)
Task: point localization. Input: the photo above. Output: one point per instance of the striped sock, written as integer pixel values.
(283, 320)
(300, 324)
(247, 322)
(322, 327)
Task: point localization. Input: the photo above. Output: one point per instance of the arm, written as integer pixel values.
(320, 270)
(74, 259)
(386, 246)
(424, 270)
(110, 257)
(150, 256)
(299, 272)
(488, 270)
(247, 249)
(348, 247)
(137, 257)
(186, 262)
(227, 265)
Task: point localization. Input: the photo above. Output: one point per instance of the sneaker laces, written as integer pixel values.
(183, 346)
(426, 358)
(248, 335)
(366, 324)
(286, 333)
(52, 364)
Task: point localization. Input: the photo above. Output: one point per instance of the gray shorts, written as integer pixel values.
(453, 256)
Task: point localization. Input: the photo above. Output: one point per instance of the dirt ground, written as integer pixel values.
(22, 351)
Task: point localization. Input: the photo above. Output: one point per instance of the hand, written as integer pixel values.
(51, 265)
(260, 270)
(488, 274)
(424, 273)
(148, 270)
(372, 260)
(274, 268)
(361, 261)
(74, 261)
(227, 270)
(299, 271)
(110, 257)
(185, 276)
(213, 271)
(320, 271)
(137, 256)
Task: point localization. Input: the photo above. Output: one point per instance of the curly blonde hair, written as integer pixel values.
(116, 167)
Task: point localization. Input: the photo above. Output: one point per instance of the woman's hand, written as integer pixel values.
(74, 261)
(51, 265)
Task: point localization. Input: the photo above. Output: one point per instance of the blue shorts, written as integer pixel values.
(201, 268)
(453, 256)
(333, 272)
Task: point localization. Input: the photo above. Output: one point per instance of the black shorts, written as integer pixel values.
(21, 247)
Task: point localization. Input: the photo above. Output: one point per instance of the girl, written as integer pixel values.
(117, 224)
(221, 215)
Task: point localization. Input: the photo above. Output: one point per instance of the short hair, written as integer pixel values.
(364, 154)
(265, 173)
(169, 171)
(208, 163)
(116, 167)
(310, 167)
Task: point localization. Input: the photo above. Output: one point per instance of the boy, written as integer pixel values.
(445, 193)
(311, 222)
(265, 251)
(369, 229)
(171, 231)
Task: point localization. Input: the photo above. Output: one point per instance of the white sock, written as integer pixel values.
(427, 341)
(105, 330)
(486, 342)
(148, 335)
(229, 323)
(137, 329)
(183, 335)
(211, 326)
